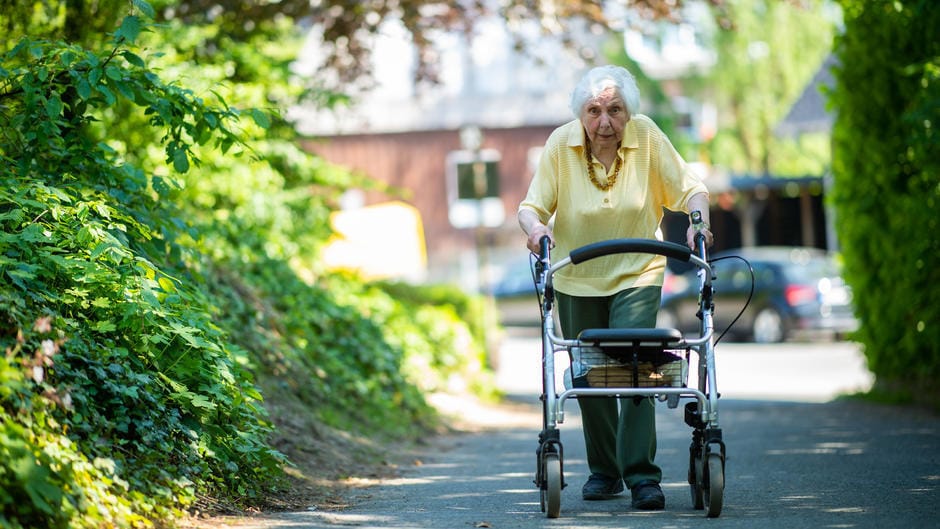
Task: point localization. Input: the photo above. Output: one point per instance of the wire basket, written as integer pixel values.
(592, 367)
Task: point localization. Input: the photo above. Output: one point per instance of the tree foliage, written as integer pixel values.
(887, 191)
(763, 63)
(346, 27)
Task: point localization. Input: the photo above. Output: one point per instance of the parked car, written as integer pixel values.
(797, 291)
(515, 295)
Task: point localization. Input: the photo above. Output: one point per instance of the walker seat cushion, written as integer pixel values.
(626, 345)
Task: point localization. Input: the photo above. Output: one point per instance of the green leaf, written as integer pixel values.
(83, 236)
(133, 59)
(67, 58)
(252, 393)
(261, 118)
(113, 72)
(102, 210)
(157, 338)
(201, 401)
(34, 233)
(189, 335)
(16, 215)
(37, 483)
(166, 284)
(54, 107)
(101, 303)
(160, 185)
(129, 30)
(23, 272)
(94, 73)
(84, 88)
(100, 249)
(176, 386)
(180, 160)
(107, 93)
(104, 326)
(148, 296)
(145, 8)
(225, 144)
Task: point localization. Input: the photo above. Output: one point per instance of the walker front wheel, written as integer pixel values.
(551, 494)
(713, 486)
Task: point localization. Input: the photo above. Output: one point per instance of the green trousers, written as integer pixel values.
(620, 434)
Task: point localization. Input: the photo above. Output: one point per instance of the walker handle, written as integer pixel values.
(615, 246)
(544, 246)
(542, 263)
(699, 238)
(700, 245)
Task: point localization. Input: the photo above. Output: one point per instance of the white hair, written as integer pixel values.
(600, 78)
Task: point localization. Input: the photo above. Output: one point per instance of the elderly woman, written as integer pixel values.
(607, 175)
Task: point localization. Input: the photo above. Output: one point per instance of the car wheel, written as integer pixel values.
(768, 326)
(667, 319)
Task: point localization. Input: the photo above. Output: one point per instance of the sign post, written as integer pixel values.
(474, 202)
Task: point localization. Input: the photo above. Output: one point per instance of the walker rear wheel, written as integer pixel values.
(695, 485)
(551, 494)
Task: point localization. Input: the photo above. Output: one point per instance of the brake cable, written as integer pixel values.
(750, 295)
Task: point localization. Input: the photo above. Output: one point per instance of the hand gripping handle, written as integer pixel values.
(699, 224)
(544, 247)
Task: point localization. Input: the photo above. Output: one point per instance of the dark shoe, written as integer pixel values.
(601, 487)
(648, 496)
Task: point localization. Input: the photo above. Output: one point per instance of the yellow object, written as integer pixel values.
(383, 241)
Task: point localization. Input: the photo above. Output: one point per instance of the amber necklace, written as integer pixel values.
(611, 179)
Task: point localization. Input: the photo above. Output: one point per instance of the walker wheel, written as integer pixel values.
(697, 471)
(713, 486)
(551, 494)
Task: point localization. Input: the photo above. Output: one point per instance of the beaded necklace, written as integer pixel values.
(611, 179)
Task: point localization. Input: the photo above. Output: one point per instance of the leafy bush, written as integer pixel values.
(438, 327)
(334, 355)
(336, 343)
(886, 161)
(141, 313)
(131, 395)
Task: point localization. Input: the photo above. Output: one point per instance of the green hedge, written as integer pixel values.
(886, 163)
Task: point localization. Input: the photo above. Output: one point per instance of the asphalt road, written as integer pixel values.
(796, 457)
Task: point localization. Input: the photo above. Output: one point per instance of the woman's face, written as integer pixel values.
(604, 118)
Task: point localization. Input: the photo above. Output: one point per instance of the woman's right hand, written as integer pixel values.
(535, 237)
(531, 225)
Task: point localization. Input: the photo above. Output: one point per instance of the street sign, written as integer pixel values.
(473, 189)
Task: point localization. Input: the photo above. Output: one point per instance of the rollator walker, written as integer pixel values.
(632, 363)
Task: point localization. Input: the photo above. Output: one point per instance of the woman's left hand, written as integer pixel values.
(690, 236)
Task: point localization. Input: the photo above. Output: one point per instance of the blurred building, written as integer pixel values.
(407, 136)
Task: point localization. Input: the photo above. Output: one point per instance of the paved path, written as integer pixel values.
(796, 458)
